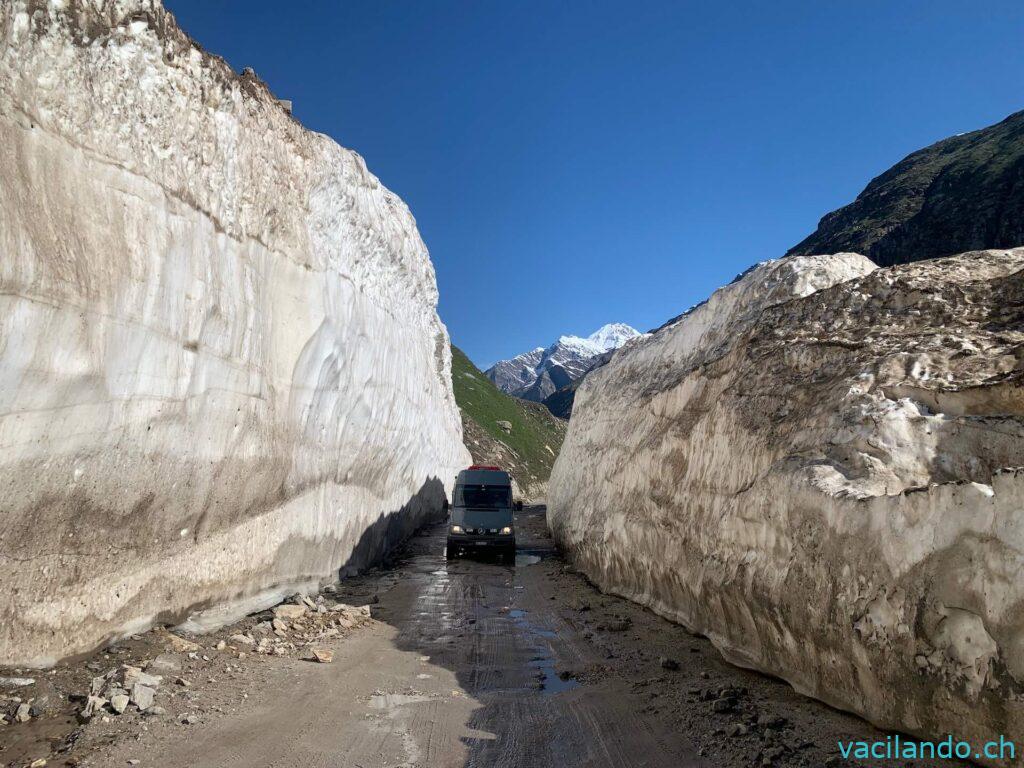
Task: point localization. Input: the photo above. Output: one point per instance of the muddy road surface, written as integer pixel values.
(478, 663)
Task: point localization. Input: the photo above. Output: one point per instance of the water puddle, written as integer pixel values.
(543, 663)
(551, 681)
(524, 560)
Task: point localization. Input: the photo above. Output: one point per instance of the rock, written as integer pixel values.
(246, 640)
(723, 705)
(16, 682)
(93, 704)
(45, 698)
(142, 251)
(289, 612)
(775, 722)
(164, 664)
(23, 713)
(190, 719)
(99, 683)
(142, 696)
(128, 676)
(323, 655)
(221, 645)
(617, 625)
(816, 431)
(504, 426)
(738, 729)
(183, 682)
(40, 763)
(155, 711)
(667, 663)
(119, 703)
(178, 644)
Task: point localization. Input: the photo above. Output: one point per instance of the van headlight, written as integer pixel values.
(456, 529)
(507, 530)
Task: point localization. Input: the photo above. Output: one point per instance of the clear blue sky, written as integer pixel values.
(576, 163)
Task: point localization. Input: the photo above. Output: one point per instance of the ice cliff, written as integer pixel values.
(820, 469)
(221, 368)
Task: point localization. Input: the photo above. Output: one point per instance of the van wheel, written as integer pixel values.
(449, 553)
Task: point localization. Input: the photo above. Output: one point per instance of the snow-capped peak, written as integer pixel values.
(612, 336)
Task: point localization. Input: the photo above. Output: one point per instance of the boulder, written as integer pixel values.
(142, 696)
(119, 703)
(289, 612)
(178, 644)
(819, 469)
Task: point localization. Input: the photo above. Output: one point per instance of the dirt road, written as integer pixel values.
(481, 664)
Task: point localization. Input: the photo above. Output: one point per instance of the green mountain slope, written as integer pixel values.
(519, 436)
(964, 193)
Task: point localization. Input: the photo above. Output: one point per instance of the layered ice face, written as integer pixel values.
(222, 373)
(819, 468)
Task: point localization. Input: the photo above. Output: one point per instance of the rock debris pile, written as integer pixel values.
(168, 681)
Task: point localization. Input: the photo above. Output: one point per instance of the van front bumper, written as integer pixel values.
(481, 541)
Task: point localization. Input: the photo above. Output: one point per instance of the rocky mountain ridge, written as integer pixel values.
(964, 193)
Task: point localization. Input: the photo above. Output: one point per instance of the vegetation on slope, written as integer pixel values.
(519, 436)
(964, 193)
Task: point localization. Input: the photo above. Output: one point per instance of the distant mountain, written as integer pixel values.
(536, 374)
(964, 193)
(560, 401)
(517, 373)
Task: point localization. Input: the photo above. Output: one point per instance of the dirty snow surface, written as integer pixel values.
(819, 469)
(221, 368)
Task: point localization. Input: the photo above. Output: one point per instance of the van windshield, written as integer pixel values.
(483, 496)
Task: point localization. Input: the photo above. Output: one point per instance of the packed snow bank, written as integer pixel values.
(818, 468)
(221, 367)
